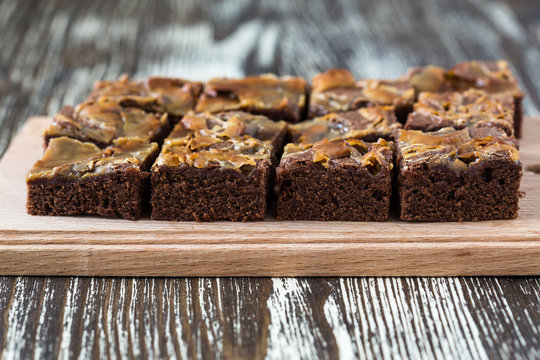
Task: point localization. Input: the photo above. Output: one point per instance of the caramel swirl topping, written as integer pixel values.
(259, 92)
(336, 91)
(158, 94)
(368, 123)
(453, 148)
(103, 121)
(241, 154)
(68, 157)
(345, 152)
(472, 108)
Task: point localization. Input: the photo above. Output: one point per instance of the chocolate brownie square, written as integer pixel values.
(173, 96)
(471, 108)
(103, 121)
(344, 180)
(336, 90)
(208, 178)
(494, 77)
(231, 124)
(428, 78)
(368, 124)
(279, 98)
(75, 178)
(458, 175)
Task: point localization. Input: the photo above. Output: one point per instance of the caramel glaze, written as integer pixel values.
(491, 76)
(266, 92)
(102, 121)
(241, 154)
(69, 158)
(456, 149)
(374, 157)
(226, 125)
(471, 108)
(158, 94)
(368, 124)
(337, 91)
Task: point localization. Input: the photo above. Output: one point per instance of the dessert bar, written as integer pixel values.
(471, 108)
(368, 124)
(458, 175)
(279, 98)
(336, 90)
(494, 77)
(154, 94)
(208, 178)
(346, 180)
(102, 121)
(231, 124)
(75, 178)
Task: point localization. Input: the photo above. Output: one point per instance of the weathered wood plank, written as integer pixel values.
(275, 318)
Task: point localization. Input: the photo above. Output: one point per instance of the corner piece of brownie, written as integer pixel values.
(344, 180)
(208, 178)
(458, 175)
(368, 124)
(173, 96)
(279, 98)
(103, 120)
(75, 178)
(336, 90)
(472, 108)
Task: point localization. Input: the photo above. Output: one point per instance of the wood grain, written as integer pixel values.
(52, 51)
(109, 247)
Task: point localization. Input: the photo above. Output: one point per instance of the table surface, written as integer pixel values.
(52, 51)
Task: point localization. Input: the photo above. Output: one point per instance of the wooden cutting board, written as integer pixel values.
(46, 245)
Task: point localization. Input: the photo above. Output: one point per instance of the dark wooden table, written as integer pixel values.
(52, 51)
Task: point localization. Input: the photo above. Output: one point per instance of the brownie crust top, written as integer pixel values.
(339, 153)
(491, 76)
(456, 149)
(228, 125)
(241, 154)
(369, 122)
(472, 108)
(159, 94)
(69, 158)
(337, 91)
(267, 91)
(103, 120)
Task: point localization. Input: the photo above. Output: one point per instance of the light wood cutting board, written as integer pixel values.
(46, 245)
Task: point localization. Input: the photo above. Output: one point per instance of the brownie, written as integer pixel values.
(279, 98)
(336, 90)
(344, 180)
(173, 96)
(103, 121)
(428, 78)
(457, 175)
(471, 108)
(494, 77)
(208, 178)
(75, 178)
(231, 124)
(368, 124)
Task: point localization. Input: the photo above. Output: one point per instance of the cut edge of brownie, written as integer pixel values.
(309, 191)
(339, 188)
(488, 191)
(119, 194)
(186, 193)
